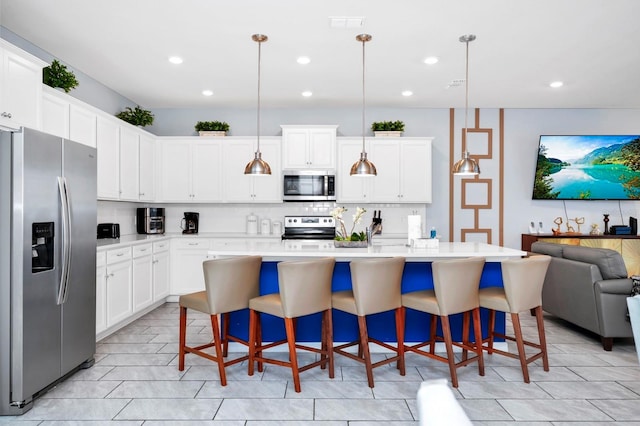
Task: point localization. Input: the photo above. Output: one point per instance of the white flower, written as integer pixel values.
(341, 230)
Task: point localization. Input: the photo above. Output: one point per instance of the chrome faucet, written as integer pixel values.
(375, 227)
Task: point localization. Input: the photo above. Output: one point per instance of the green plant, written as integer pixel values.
(136, 116)
(341, 230)
(388, 126)
(215, 126)
(57, 75)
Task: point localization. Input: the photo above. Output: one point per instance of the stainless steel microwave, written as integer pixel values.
(308, 185)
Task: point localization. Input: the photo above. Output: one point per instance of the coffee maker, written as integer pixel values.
(189, 223)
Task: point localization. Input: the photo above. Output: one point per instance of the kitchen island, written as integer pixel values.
(417, 276)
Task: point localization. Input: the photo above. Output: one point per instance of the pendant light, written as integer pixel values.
(363, 167)
(467, 166)
(258, 166)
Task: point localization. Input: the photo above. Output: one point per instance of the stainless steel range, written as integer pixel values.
(309, 228)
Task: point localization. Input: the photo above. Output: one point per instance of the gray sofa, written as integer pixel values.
(587, 287)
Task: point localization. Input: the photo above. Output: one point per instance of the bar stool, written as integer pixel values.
(229, 283)
(376, 287)
(522, 281)
(456, 284)
(304, 289)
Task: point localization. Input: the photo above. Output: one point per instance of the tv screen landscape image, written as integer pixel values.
(588, 167)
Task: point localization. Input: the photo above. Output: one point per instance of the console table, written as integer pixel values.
(627, 245)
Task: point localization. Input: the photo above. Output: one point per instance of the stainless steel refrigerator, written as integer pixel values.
(47, 263)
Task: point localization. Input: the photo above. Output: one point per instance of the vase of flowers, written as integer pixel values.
(351, 239)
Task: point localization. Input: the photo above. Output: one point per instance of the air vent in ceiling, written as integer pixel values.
(346, 21)
(457, 82)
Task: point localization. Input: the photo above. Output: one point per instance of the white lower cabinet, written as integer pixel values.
(142, 276)
(101, 288)
(187, 255)
(161, 270)
(119, 285)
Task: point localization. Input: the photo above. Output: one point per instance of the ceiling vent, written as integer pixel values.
(457, 82)
(344, 22)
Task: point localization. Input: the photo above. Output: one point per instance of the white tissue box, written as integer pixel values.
(426, 243)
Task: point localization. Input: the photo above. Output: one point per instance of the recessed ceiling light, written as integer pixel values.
(431, 60)
(303, 60)
(207, 92)
(556, 84)
(307, 93)
(407, 93)
(175, 60)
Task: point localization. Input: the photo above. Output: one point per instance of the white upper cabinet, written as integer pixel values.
(241, 188)
(404, 170)
(82, 125)
(129, 164)
(108, 145)
(351, 189)
(190, 170)
(308, 147)
(55, 113)
(20, 88)
(147, 171)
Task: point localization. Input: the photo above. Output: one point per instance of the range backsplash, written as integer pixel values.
(226, 218)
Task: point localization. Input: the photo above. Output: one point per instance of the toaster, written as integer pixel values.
(108, 230)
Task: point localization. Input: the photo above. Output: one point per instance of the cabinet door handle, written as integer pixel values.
(120, 254)
(193, 244)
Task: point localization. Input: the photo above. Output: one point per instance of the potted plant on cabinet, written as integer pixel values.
(136, 116)
(58, 76)
(212, 128)
(387, 128)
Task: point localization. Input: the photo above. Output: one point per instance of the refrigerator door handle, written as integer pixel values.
(66, 239)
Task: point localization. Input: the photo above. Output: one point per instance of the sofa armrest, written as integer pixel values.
(611, 302)
(614, 286)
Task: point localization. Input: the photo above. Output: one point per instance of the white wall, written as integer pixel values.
(522, 129)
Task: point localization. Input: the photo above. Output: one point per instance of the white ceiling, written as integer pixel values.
(521, 46)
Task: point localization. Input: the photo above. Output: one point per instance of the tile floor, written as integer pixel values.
(135, 381)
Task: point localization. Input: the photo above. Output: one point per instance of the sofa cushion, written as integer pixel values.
(608, 261)
(552, 249)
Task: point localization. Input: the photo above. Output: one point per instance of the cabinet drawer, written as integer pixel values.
(160, 246)
(142, 250)
(101, 259)
(191, 243)
(118, 255)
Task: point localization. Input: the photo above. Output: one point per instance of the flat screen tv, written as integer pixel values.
(588, 167)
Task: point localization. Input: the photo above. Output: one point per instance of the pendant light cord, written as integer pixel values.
(363, 97)
(259, 61)
(466, 95)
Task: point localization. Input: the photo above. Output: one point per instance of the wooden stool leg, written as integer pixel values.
(492, 328)
(364, 343)
(291, 340)
(477, 331)
(183, 337)
(328, 324)
(400, 320)
(218, 345)
(446, 331)
(253, 331)
(465, 335)
(515, 319)
(542, 338)
(432, 336)
(226, 319)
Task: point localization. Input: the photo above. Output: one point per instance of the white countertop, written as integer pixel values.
(381, 248)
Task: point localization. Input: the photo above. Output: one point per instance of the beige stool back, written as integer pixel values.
(522, 280)
(456, 284)
(377, 284)
(231, 283)
(305, 286)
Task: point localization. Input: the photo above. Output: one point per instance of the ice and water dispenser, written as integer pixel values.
(42, 255)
